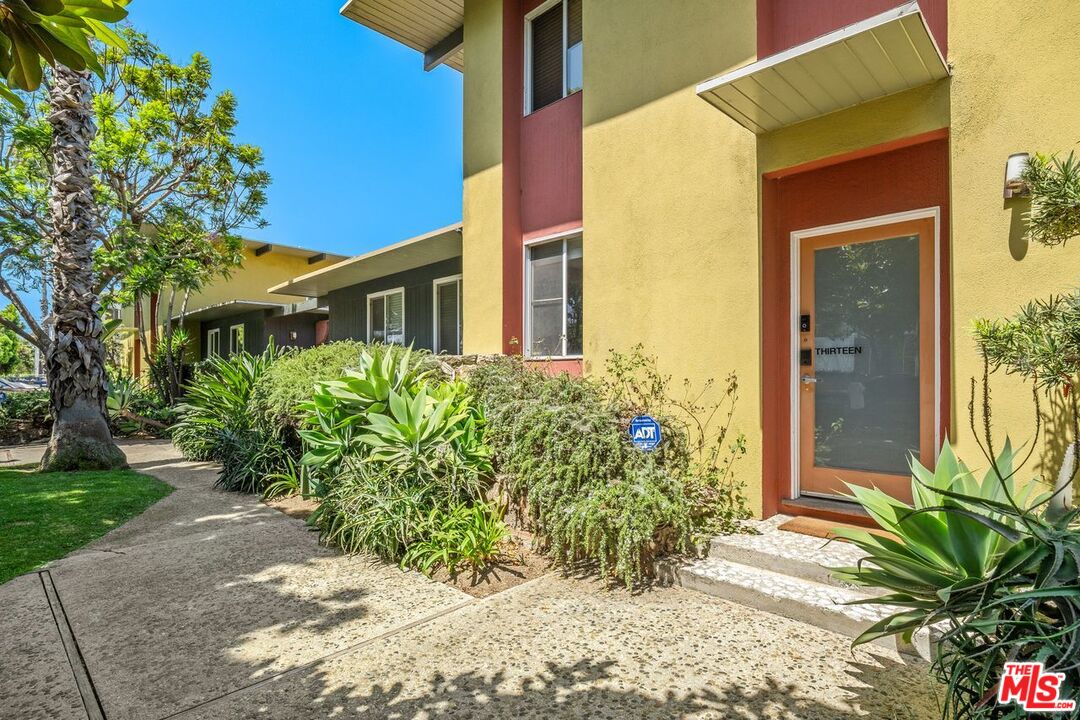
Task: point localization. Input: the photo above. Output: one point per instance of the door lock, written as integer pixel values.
(808, 379)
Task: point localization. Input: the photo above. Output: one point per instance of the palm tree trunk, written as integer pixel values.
(81, 439)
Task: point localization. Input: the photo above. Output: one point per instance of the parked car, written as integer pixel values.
(13, 385)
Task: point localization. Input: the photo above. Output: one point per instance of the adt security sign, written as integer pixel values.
(645, 432)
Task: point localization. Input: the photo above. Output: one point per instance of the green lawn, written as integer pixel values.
(46, 516)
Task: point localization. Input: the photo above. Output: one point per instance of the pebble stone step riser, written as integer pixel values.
(787, 566)
(784, 607)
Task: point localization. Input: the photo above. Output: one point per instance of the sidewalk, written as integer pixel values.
(212, 605)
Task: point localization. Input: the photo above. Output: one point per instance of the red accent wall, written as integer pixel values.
(551, 168)
(785, 23)
(542, 169)
(513, 102)
(897, 177)
(322, 331)
(556, 367)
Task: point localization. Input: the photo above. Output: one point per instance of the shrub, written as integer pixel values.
(983, 564)
(25, 417)
(289, 383)
(393, 452)
(291, 380)
(30, 406)
(561, 449)
(216, 422)
(465, 534)
(134, 408)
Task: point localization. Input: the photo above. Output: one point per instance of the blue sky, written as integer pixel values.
(363, 146)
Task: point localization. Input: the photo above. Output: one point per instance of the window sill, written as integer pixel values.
(552, 104)
(552, 358)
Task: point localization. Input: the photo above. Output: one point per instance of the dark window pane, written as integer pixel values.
(448, 318)
(377, 321)
(574, 286)
(866, 355)
(573, 22)
(547, 58)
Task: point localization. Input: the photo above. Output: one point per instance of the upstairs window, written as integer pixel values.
(553, 53)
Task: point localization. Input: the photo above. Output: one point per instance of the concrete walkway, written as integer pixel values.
(212, 605)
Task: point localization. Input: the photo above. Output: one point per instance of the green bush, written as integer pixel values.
(470, 535)
(561, 449)
(216, 422)
(338, 410)
(30, 406)
(290, 381)
(25, 417)
(393, 451)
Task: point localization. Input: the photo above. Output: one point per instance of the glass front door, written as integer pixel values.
(866, 357)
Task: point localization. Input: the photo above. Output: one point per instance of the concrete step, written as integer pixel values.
(787, 553)
(790, 596)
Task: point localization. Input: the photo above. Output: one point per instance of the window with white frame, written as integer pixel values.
(447, 292)
(236, 339)
(553, 52)
(553, 298)
(386, 316)
(213, 342)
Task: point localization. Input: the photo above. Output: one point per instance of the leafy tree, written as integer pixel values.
(178, 185)
(13, 348)
(172, 183)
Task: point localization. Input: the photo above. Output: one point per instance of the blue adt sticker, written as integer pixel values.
(645, 432)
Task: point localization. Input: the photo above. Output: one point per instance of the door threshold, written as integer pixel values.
(827, 509)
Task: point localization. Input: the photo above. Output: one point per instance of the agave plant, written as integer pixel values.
(437, 429)
(339, 406)
(979, 564)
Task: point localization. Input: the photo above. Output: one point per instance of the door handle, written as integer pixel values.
(808, 379)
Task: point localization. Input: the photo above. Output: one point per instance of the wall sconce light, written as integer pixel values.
(1014, 175)
(292, 336)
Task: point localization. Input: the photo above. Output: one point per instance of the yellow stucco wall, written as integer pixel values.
(670, 198)
(672, 186)
(247, 282)
(481, 285)
(1014, 89)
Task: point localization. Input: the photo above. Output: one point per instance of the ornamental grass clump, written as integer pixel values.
(563, 456)
(216, 422)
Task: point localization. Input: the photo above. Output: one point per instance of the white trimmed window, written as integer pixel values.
(553, 53)
(447, 292)
(553, 298)
(386, 316)
(213, 342)
(236, 339)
